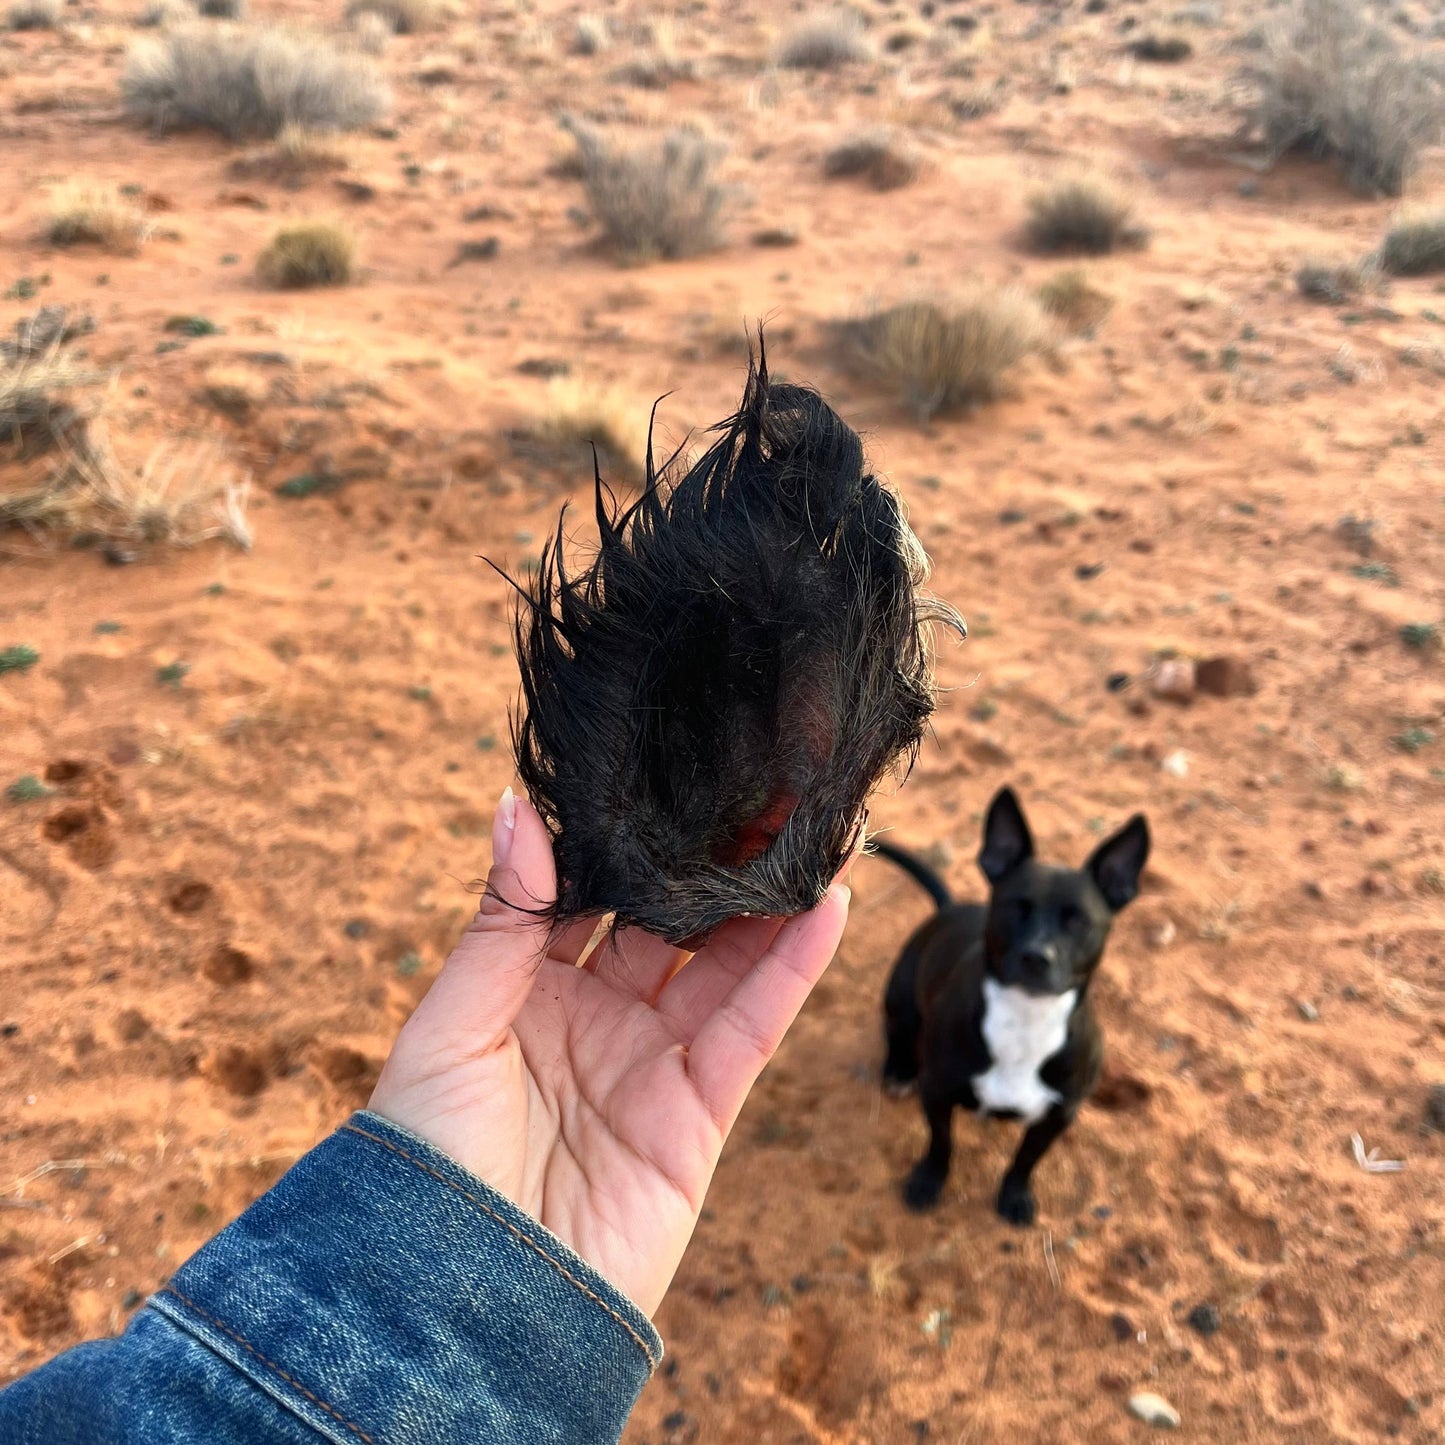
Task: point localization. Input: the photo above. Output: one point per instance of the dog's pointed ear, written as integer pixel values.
(1115, 865)
(1007, 841)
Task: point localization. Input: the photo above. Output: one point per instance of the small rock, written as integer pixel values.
(130, 1299)
(1176, 764)
(1307, 1011)
(1174, 679)
(1435, 1107)
(1204, 1319)
(776, 236)
(1154, 1410)
(1224, 677)
(1117, 681)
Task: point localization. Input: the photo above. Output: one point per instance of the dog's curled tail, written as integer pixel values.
(916, 868)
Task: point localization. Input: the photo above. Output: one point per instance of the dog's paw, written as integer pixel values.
(1016, 1203)
(922, 1188)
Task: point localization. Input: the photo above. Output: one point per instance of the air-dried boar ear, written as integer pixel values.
(709, 701)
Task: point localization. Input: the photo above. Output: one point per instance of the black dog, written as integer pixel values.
(988, 1008)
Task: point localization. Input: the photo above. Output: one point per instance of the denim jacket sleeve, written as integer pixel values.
(378, 1295)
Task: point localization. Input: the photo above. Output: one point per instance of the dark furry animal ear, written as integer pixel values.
(708, 703)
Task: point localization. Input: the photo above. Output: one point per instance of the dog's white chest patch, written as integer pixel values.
(1021, 1030)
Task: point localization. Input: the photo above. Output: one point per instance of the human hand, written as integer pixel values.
(597, 1097)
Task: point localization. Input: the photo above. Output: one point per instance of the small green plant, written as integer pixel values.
(1380, 572)
(172, 674)
(1413, 739)
(1419, 635)
(105, 629)
(409, 964)
(20, 658)
(28, 789)
(309, 484)
(192, 326)
(313, 253)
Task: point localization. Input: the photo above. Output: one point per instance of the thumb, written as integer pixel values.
(486, 979)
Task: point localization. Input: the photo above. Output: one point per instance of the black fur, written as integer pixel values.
(709, 702)
(1042, 933)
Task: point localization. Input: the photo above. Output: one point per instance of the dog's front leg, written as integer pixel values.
(925, 1183)
(1015, 1199)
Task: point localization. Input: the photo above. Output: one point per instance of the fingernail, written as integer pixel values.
(842, 892)
(504, 828)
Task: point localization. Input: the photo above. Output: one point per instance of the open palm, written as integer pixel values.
(596, 1092)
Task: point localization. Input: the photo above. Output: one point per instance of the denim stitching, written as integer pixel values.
(512, 1229)
(270, 1364)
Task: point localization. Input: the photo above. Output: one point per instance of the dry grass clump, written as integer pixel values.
(886, 160)
(942, 355)
(313, 253)
(1333, 281)
(1330, 81)
(370, 34)
(83, 215)
(250, 82)
(579, 415)
(405, 17)
(1415, 246)
(33, 15)
(825, 41)
(1071, 298)
(163, 12)
(37, 399)
(590, 35)
(221, 9)
(656, 197)
(1084, 216)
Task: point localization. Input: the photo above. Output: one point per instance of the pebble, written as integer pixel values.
(1174, 679)
(1435, 1107)
(1176, 764)
(1307, 1011)
(1204, 1320)
(1154, 1410)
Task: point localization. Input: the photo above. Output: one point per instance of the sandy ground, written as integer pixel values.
(244, 879)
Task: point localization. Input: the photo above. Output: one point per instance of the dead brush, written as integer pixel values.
(1083, 215)
(655, 197)
(1330, 81)
(1415, 245)
(296, 158)
(249, 82)
(39, 401)
(881, 157)
(180, 495)
(1077, 303)
(824, 41)
(91, 215)
(941, 355)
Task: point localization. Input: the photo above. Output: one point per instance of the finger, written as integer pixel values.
(635, 962)
(486, 979)
(714, 971)
(733, 1046)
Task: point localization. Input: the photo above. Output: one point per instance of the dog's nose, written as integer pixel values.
(1036, 963)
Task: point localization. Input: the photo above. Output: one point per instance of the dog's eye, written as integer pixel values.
(1073, 918)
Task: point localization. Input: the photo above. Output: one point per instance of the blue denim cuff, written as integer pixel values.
(385, 1295)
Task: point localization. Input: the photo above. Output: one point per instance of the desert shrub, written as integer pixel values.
(653, 197)
(91, 215)
(36, 392)
(1329, 81)
(1073, 300)
(221, 9)
(312, 253)
(249, 82)
(294, 158)
(405, 17)
(33, 15)
(1415, 246)
(590, 35)
(941, 355)
(1161, 49)
(163, 12)
(883, 158)
(824, 42)
(1084, 215)
(370, 34)
(1332, 281)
